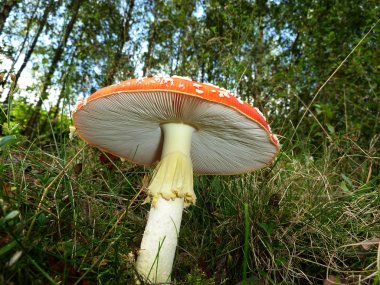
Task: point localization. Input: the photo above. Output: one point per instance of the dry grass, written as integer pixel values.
(77, 218)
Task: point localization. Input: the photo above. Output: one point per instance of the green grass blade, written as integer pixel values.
(246, 243)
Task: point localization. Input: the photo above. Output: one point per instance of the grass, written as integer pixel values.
(77, 217)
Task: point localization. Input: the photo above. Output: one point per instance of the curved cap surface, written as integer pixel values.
(124, 119)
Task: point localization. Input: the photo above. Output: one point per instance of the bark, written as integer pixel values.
(22, 46)
(32, 46)
(151, 42)
(258, 56)
(151, 39)
(30, 128)
(122, 39)
(185, 42)
(53, 112)
(5, 9)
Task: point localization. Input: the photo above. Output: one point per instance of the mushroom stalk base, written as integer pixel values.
(155, 260)
(170, 191)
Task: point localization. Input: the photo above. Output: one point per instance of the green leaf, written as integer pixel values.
(268, 227)
(7, 140)
(44, 95)
(280, 261)
(347, 180)
(318, 108)
(8, 247)
(41, 219)
(11, 215)
(330, 128)
(344, 187)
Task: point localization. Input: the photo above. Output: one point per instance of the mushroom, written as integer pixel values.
(186, 127)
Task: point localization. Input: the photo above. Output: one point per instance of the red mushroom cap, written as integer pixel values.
(124, 119)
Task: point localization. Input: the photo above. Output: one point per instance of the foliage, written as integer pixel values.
(70, 214)
(269, 53)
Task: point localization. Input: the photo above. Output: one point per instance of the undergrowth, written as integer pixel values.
(77, 216)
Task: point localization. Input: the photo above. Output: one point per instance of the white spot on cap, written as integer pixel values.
(240, 101)
(197, 85)
(181, 86)
(164, 79)
(140, 79)
(223, 93)
(199, 91)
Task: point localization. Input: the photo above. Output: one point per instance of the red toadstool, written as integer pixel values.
(184, 125)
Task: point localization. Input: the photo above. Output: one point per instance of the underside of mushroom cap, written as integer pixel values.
(230, 138)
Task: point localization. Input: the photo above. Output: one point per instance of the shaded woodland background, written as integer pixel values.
(275, 54)
(312, 67)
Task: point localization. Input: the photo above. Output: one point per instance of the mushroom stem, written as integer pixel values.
(170, 191)
(156, 256)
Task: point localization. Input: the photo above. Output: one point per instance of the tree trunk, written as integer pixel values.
(29, 53)
(53, 112)
(123, 38)
(258, 56)
(183, 52)
(148, 55)
(5, 9)
(30, 127)
(22, 46)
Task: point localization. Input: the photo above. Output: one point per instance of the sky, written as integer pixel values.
(26, 77)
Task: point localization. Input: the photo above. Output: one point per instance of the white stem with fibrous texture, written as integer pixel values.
(177, 137)
(170, 190)
(158, 246)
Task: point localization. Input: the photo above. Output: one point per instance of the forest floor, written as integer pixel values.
(71, 214)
